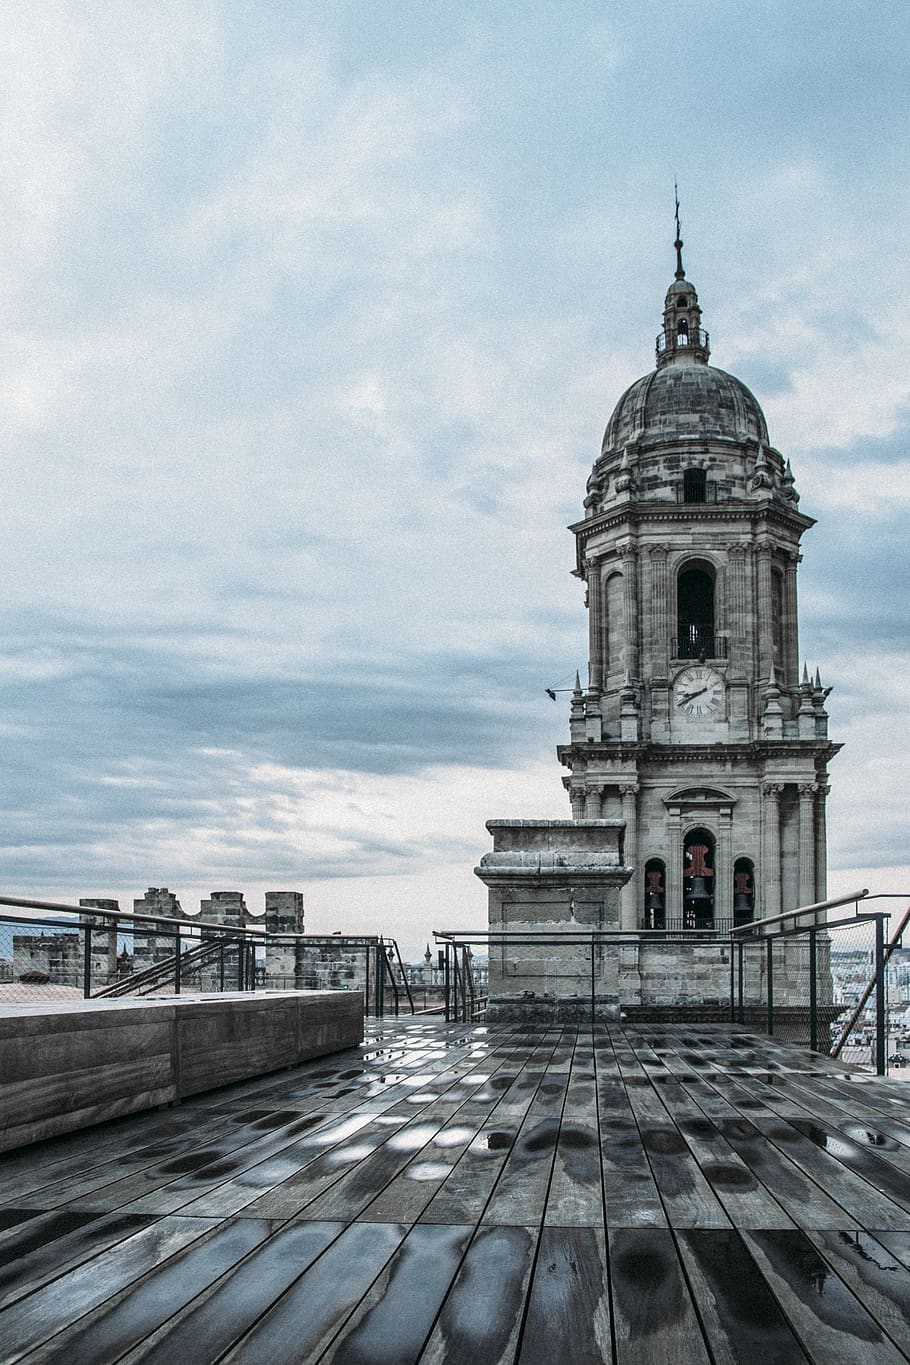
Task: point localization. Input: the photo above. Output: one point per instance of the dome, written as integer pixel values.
(694, 400)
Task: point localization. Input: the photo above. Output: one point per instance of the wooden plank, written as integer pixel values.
(687, 1197)
(125, 1322)
(215, 1321)
(481, 1317)
(830, 1322)
(877, 1278)
(302, 1323)
(395, 1316)
(52, 1243)
(740, 1316)
(654, 1321)
(40, 1316)
(568, 1309)
(575, 1195)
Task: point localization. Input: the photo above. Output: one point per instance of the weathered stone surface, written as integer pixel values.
(75, 1063)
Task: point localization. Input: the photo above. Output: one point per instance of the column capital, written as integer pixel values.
(764, 548)
(659, 551)
(739, 548)
(627, 551)
(807, 790)
(628, 789)
(772, 790)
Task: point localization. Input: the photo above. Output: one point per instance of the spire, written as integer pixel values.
(682, 341)
(680, 273)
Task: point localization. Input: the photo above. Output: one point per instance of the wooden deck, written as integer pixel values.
(452, 1193)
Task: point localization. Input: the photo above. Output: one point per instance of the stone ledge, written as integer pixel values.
(77, 1063)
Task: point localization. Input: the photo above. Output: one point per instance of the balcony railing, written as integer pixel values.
(674, 341)
(693, 641)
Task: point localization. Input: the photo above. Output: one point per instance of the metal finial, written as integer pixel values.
(680, 273)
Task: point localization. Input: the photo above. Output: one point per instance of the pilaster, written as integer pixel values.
(807, 843)
(769, 887)
(629, 557)
(595, 626)
(628, 904)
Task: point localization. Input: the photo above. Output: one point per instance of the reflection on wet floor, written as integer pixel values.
(457, 1193)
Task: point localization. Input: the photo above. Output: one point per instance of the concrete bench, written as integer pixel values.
(66, 1065)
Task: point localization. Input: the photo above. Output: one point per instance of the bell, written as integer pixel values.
(742, 905)
(698, 890)
(654, 901)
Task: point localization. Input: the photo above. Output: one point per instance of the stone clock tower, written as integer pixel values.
(698, 728)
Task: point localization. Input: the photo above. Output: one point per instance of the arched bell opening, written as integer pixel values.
(698, 879)
(655, 916)
(695, 614)
(743, 891)
(682, 332)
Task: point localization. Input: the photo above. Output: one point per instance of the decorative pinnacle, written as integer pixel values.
(680, 273)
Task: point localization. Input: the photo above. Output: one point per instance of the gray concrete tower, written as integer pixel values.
(698, 726)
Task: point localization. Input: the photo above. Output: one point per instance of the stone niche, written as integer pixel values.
(555, 876)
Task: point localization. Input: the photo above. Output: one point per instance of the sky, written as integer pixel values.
(313, 315)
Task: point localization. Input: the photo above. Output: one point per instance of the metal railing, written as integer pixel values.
(693, 641)
(54, 951)
(787, 975)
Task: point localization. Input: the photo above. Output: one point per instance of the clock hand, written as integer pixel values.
(689, 695)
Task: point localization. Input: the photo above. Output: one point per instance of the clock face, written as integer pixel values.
(699, 691)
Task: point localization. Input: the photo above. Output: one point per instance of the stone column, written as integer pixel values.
(765, 610)
(592, 803)
(807, 843)
(739, 635)
(770, 863)
(723, 867)
(791, 620)
(821, 841)
(629, 557)
(595, 626)
(673, 898)
(577, 797)
(660, 632)
(629, 916)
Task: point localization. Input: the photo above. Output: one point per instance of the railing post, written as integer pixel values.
(380, 980)
(445, 983)
(732, 981)
(813, 992)
(879, 996)
(770, 987)
(742, 1014)
(221, 964)
(177, 963)
(87, 961)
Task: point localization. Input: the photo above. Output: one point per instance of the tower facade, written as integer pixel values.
(697, 728)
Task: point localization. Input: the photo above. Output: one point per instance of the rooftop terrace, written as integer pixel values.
(459, 1193)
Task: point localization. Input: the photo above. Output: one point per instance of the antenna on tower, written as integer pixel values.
(680, 273)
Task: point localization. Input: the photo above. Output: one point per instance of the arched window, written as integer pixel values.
(695, 614)
(655, 894)
(743, 891)
(698, 879)
(682, 332)
(695, 485)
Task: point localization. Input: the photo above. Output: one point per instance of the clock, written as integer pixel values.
(699, 691)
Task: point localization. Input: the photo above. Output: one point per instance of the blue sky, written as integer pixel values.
(313, 317)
